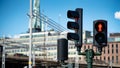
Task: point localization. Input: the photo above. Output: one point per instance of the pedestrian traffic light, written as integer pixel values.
(1, 49)
(62, 49)
(100, 33)
(76, 26)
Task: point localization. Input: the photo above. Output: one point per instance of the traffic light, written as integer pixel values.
(62, 49)
(76, 26)
(100, 33)
(1, 49)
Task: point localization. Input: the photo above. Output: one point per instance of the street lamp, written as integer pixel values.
(30, 36)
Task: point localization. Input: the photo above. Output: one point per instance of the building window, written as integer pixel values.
(88, 47)
(72, 47)
(116, 59)
(104, 50)
(116, 45)
(112, 46)
(79, 58)
(74, 52)
(55, 48)
(104, 59)
(55, 53)
(108, 51)
(112, 59)
(112, 49)
(117, 48)
(12, 51)
(108, 59)
(108, 46)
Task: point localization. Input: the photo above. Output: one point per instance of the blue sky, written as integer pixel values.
(14, 19)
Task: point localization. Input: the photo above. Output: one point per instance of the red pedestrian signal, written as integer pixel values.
(100, 33)
(100, 27)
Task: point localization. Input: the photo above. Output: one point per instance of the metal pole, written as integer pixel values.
(3, 53)
(3, 57)
(30, 37)
(34, 56)
(77, 60)
(89, 57)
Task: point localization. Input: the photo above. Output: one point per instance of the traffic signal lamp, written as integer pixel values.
(76, 26)
(100, 33)
(62, 49)
(1, 49)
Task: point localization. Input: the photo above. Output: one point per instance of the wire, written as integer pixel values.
(50, 22)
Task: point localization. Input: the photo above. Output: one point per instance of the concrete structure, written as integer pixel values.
(37, 24)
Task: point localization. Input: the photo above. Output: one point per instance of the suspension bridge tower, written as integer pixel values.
(37, 24)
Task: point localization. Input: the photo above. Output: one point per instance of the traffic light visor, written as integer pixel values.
(72, 25)
(72, 14)
(72, 36)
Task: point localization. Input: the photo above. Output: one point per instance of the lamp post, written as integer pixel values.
(3, 53)
(30, 36)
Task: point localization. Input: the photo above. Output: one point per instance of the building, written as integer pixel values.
(86, 34)
(114, 34)
(45, 44)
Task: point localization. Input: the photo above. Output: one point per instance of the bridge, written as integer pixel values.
(20, 62)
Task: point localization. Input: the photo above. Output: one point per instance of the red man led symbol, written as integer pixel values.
(100, 27)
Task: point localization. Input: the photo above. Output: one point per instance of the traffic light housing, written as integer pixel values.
(1, 49)
(77, 15)
(62, 49)
(100, 33)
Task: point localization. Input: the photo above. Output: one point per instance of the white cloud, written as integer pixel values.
(117, 15)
